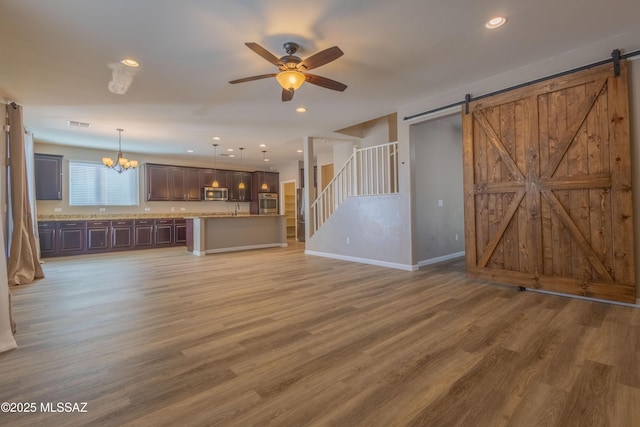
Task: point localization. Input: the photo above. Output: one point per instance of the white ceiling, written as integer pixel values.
(55, 57)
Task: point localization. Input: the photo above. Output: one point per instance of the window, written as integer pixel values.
(91, 184)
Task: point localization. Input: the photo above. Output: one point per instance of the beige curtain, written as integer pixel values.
(7, 327)
(24, 263)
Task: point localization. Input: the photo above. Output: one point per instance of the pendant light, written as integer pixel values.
(264, 172)
(121, 163)
(215, 183)
(241, 185)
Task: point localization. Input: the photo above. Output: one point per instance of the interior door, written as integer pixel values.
(547, 180)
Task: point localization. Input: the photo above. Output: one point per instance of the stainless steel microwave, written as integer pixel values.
(215, 193)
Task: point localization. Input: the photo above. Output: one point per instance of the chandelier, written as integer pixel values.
(121, 164)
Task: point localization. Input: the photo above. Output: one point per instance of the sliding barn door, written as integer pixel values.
(547, 177)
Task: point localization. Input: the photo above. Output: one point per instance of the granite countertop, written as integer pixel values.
(106, 216)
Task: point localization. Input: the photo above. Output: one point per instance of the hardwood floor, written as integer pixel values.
(274, 337)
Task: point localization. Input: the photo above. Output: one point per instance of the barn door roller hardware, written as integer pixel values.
(616, 62)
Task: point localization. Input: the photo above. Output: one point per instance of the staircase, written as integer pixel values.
(369, 171)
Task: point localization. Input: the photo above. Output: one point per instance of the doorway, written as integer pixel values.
(327, 175)
(289, 207)
(439, 194)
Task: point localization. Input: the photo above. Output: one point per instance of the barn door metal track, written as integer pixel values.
(616, 56)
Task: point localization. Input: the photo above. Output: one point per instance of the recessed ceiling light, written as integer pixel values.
(301, 110)
(216, 138)
(266, 160)
(189, 151)
(232, 155)
(495, 22)
(263, 145)
(299, 151)
(130, 62)
(229, 149)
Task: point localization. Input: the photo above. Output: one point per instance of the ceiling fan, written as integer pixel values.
(293, 69)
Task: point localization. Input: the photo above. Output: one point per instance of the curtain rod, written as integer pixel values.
(615, 57)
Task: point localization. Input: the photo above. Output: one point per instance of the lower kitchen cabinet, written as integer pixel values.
(71, 237)
(47, 233)
(61, 238)
(97, 236)
(180, 232)
(164, 232)
(143, 231)
(121, 235)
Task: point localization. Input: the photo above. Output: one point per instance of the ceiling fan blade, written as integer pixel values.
(249, 79)
(287, 94)
(325, 82)
(264, 53)
(321, 58)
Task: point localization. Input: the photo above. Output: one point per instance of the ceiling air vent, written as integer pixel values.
(77, 124)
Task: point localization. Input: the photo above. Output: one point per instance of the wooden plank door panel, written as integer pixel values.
(547, 180)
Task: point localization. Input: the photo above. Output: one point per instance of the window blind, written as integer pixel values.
(93, 184)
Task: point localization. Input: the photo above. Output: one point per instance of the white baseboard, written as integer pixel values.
(379, 263)
(246, 248)
(440, 259)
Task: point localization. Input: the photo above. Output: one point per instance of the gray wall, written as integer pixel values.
(437, 152)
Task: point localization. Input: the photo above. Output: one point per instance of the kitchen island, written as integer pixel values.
(214, 234)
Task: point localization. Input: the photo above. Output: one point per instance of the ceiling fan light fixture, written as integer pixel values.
(290, 79)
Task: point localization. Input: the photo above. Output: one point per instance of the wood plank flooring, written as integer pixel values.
(275, 337)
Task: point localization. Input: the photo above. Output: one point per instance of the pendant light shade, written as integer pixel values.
(241, 185)
(264, 185)
(215, 182)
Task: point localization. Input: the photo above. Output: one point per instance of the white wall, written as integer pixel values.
(341, 154)
(375, 133)
(378, 227)
(437, 151)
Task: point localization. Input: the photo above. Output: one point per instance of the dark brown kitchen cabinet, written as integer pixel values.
(97, 236)
(207, 176)
(270, 179)
(163, 232)
(180, 231)
(158, 179)
(236, 194)
(192, 184)
(143, 233)
(121, 234)
(178, 183)
(47, 234)
(71, 237)
(48, 175)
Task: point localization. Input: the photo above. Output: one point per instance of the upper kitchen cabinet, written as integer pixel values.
(236, 194)
(158, 179)
(192, 184)
(207, 176)
(270, 180)
(178, 183)
(48, 171)
(166, 183)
